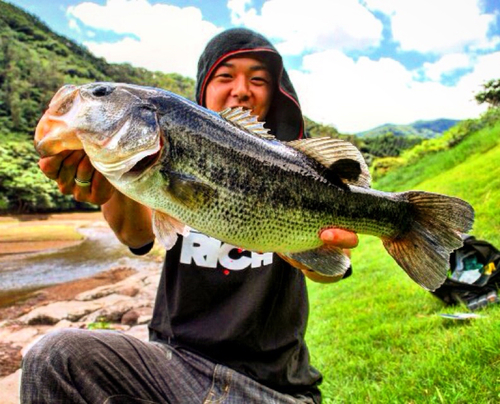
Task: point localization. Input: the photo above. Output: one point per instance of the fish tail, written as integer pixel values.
(438, 224)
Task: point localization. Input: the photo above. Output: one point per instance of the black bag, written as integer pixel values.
(474, 276)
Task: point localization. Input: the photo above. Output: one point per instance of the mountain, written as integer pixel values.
(422, 129)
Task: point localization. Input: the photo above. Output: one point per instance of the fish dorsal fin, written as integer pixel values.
(339, 156)
(243, 119)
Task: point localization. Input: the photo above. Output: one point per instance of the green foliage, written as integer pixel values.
(491, 93)
(34, 63)
(315, 129)
(23, 187)
(99, 324)
(389, 145)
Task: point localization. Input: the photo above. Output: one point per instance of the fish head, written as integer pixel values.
(116, 124)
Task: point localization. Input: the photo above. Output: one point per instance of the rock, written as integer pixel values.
(139, 331)
(122, 288)
(113, 313)
(130, 317)
(128, 291)
(19, 335)
(9, 388)
(141, 315)
(10, 358)
(70, 310)
(125, 306)
(153, 280)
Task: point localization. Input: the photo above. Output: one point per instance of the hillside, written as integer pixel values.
(35, 62)
(421, 129)
(377, 336)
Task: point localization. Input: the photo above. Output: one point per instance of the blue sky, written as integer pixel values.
(355, 64)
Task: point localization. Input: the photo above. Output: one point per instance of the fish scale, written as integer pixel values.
(225, 176)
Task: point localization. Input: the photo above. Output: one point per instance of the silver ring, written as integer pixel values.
(82, 184)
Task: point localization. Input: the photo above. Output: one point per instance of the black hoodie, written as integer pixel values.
(242, 309)
(284, 118)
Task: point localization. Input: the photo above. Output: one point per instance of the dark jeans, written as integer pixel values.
(81, 366)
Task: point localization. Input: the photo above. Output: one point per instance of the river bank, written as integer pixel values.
(119, 298)
(39, 251)
(23, 234)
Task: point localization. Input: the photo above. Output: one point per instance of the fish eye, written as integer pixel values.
(102, 91)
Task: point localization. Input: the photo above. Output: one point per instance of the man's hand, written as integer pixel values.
(340, 238)
(70, 164)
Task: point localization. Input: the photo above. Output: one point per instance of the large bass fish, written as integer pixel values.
(224, 175)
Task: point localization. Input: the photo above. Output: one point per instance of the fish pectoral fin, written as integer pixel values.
(326, 260)
(189, 190)
(341, 158)
(166, 229)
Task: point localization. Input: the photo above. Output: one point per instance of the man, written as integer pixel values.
(228, 325)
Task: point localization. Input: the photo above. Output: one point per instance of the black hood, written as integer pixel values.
(284, 118)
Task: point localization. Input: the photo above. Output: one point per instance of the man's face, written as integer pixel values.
(240, 82)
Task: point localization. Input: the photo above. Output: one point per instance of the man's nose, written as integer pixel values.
(241, 88)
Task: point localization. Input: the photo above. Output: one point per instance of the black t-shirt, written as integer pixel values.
(243, 309)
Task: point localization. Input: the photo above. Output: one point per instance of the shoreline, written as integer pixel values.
(19, 300)
(17, 246)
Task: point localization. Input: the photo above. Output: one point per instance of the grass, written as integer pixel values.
(377, 337)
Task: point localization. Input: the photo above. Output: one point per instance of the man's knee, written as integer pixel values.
(57, 346)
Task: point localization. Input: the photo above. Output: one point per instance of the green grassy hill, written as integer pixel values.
(377, 336)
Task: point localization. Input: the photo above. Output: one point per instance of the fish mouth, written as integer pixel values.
(144, 163)
(132, 168)
(53, 134)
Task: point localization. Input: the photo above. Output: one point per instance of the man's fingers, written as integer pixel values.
(339, 237)
(98, 193)
(102, 190)
(67, 173)
(50, 166)
(85, 170)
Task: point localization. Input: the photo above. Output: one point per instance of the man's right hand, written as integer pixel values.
(70, 164)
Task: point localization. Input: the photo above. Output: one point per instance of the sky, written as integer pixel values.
(356, 64)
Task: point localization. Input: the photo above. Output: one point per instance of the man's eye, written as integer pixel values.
(224, 76)
(260, 80)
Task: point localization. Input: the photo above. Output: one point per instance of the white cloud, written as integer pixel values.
(439, 26)
(313, 25)
(74, 25)
(359, 95)
(162, 37)
(446, 65)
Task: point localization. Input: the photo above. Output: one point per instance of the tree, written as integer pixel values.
(491, 93)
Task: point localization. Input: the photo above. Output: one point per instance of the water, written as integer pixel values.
(99, 252)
